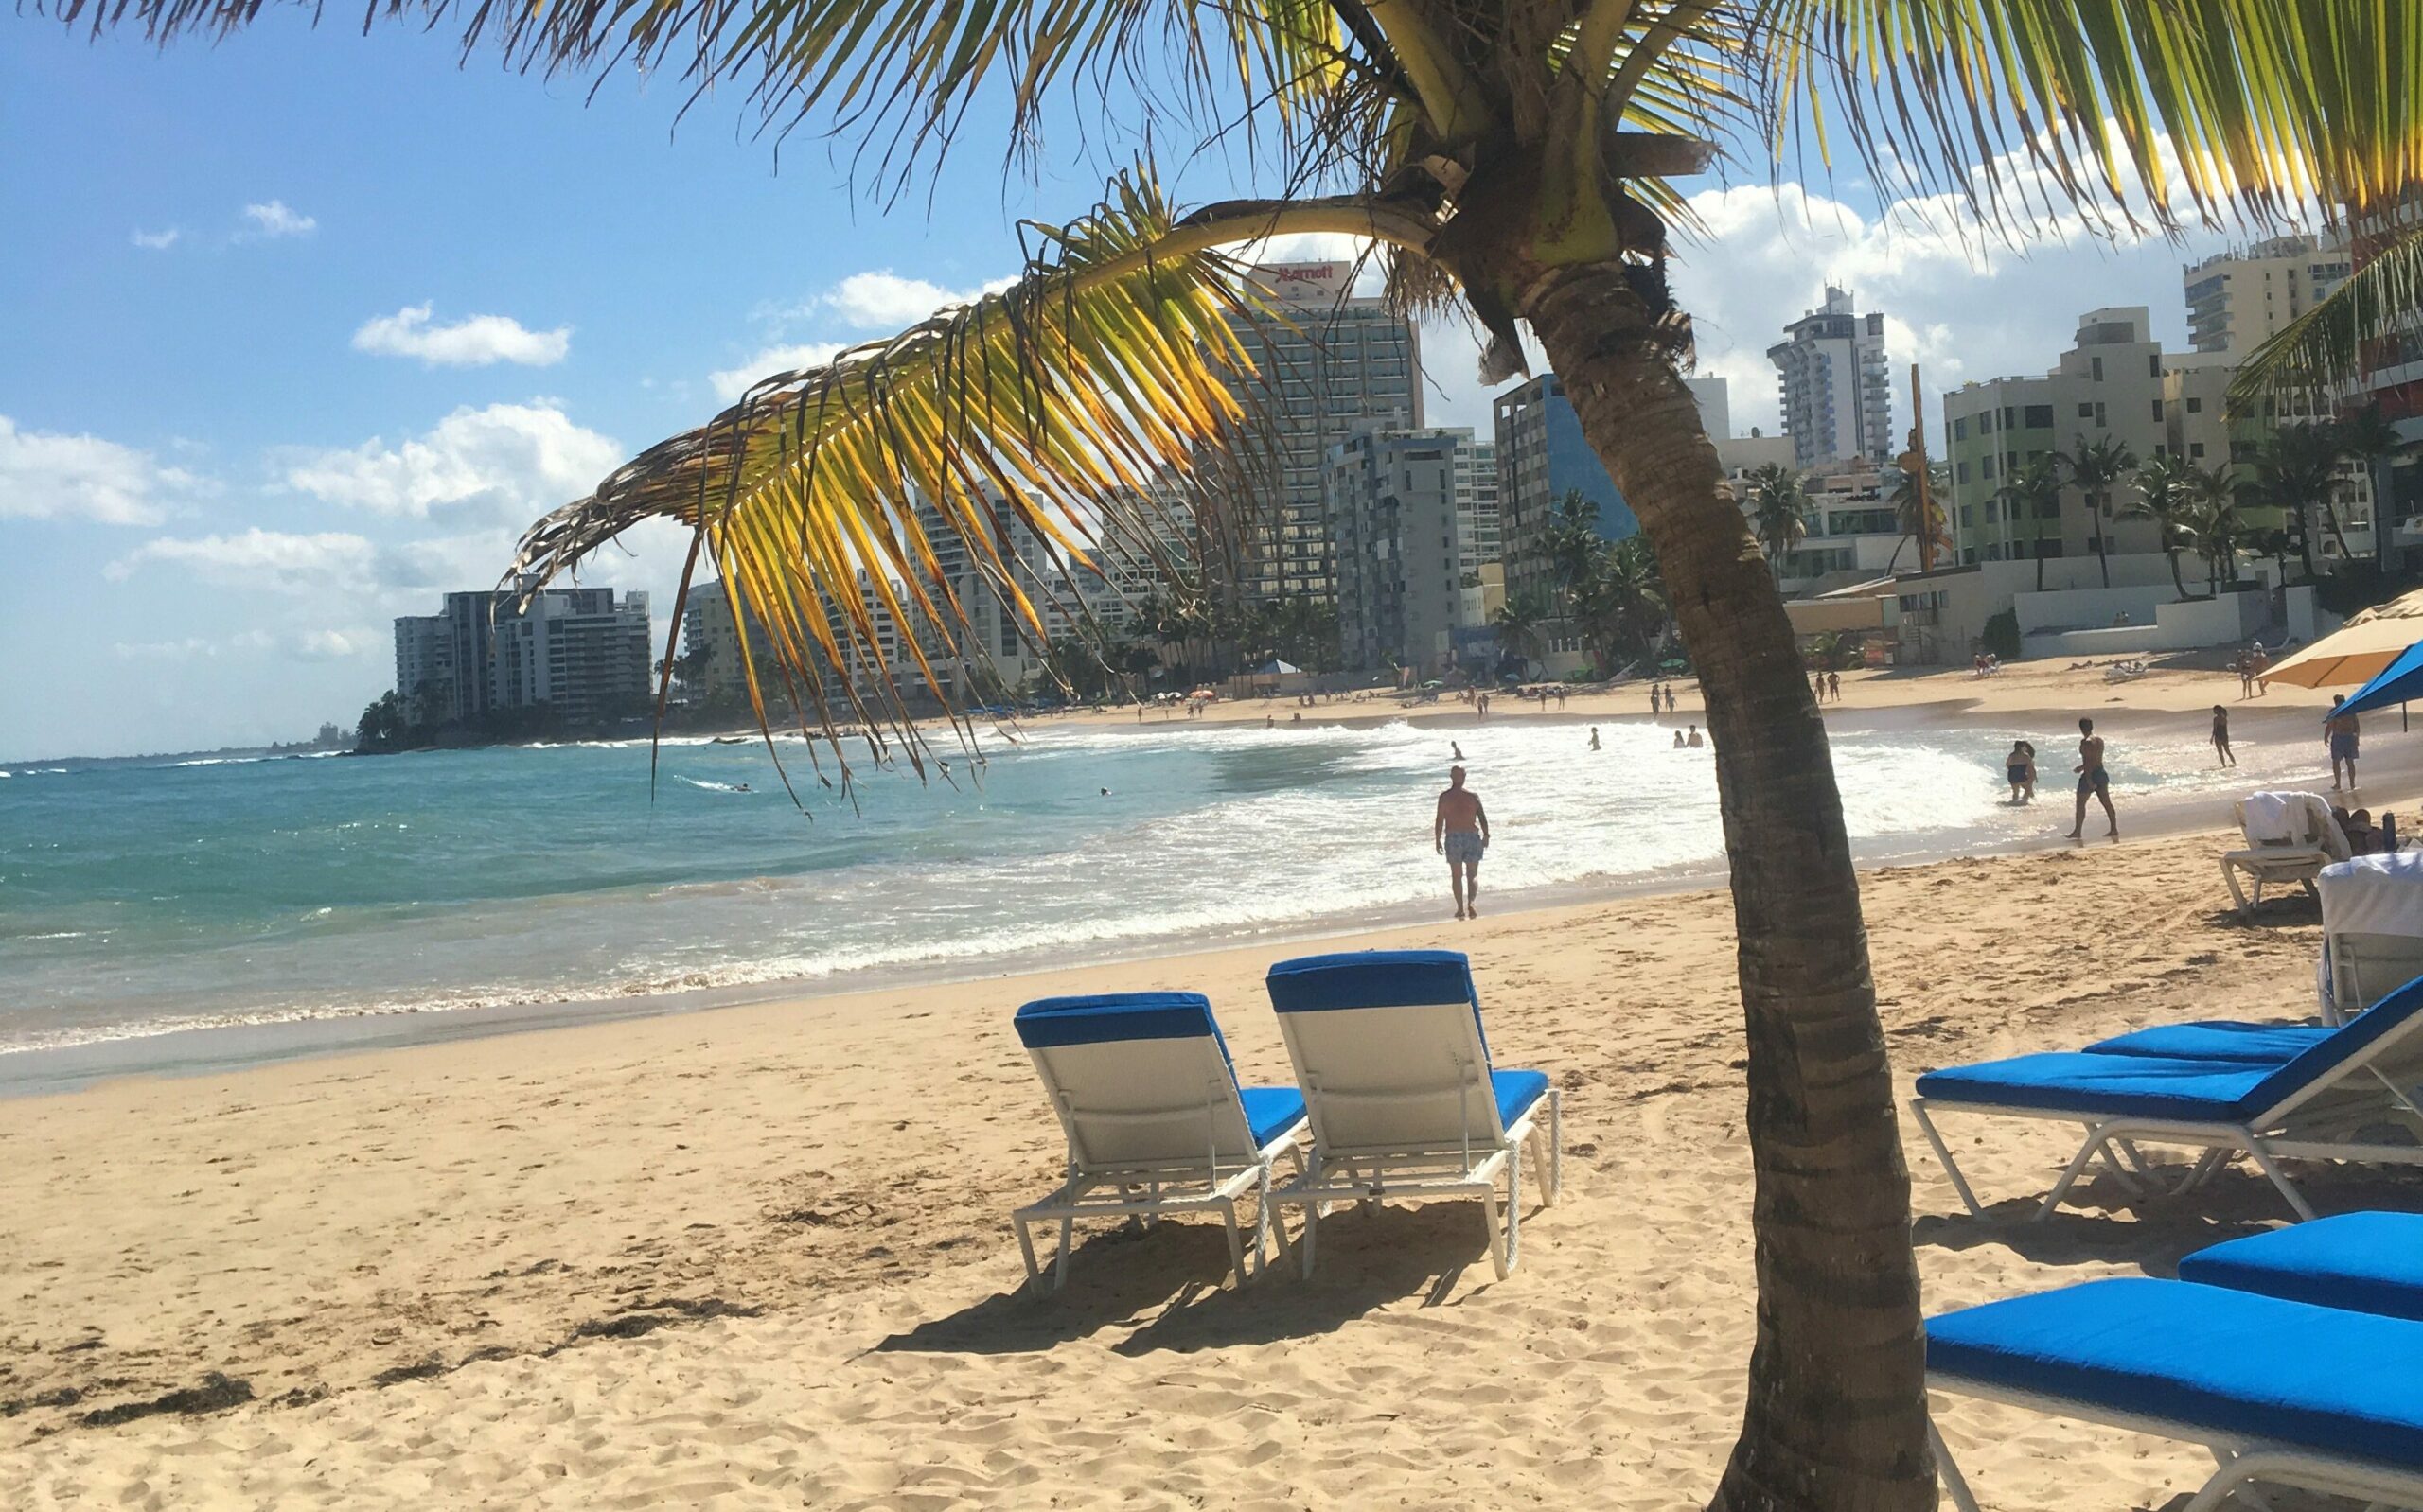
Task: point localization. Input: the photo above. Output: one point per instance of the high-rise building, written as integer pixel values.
(1407, 512)
(1835, 385)
(2239, 299)
(576, 652)
(1542, 456)
(2116, 383)
(711, 632)
(1325, 362)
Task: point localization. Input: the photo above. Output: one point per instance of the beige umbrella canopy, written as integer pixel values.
(2357, 651)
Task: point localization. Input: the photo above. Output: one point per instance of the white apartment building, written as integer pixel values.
(2239, 299)
(576, 652)
(1836, 384)
(1404, 512)
(1324, 361)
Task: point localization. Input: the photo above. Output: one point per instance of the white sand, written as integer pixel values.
(840, 1170)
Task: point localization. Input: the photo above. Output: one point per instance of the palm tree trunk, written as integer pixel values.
(2171, 553)
(2102, 537)
(1837, 1398)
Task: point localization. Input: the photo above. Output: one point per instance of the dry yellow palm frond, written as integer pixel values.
(857, 502)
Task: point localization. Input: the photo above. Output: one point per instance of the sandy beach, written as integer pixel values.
(757, 1256)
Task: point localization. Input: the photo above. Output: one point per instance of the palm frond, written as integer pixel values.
(837, 501)
(2031, 110)
(899, 78)
(2331, 345)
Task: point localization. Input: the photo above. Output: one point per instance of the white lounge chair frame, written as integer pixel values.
(1465, 1160)
(2267, 861)
(2287, 1131)
(1101, 1183)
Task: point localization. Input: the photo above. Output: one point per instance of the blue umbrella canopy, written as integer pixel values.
(2399, 682)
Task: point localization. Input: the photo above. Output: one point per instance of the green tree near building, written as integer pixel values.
(2034, 494)
(1779, 512)
(2097, 467)
(2166, 496)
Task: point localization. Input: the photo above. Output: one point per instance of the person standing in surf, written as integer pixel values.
(2093, 782)
(1460, 831)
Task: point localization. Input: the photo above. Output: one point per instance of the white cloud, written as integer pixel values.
(258, 559)
(185, 650)
(732, 382)
(514, 460)
(49, 476)
(302, 645)
(157, 240)
(883, 300)
(275, 219)
(475, 341)
(330, 646)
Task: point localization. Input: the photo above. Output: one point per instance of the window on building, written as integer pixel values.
(2098, 365)
(2100, 421)
(2153, 364)
(2195, 406)
(1960, 429)
(1985, 468)
(1985, 423)
(2049, 508)
(2195, 449)
(2039, 416)
(2157, 409)
(2010, 416)
(1961, 473)
(2086, 412)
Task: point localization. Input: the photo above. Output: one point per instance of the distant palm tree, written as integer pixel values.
(2212, 518)
(2034, 492)
(1570, 542)
(1778, 511)
(1521, 625)
(2096, 466)
(1933, 533)
(2367, 438)
(2295, 470)
(2165, 496)
(1619, 602)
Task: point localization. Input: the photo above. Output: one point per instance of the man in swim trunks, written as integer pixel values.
(2339, 731)
(2092, 779)
(1460, 831)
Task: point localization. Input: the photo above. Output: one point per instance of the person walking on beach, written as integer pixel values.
(2094, 780)
(2260, 663)
(1670, 698)
(1594, 737)
(2222, 735)
(2020, 767)
(1834, 686)
(2245, 665)
(2338, 734)
(1460, 831)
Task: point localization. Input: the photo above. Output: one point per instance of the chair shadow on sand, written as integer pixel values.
(1164, 1285)
(2102, 1222)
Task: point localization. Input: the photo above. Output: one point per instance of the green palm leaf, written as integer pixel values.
(2330, 345)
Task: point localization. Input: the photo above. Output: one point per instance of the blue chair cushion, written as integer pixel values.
(2363, 1263)
(2104, 1085)
(1517, 1091)
(2217, 1040)
(1101, 1017)
(1271, 1111)
(2392, 1015)
(2229, 1363)
(1375, 979)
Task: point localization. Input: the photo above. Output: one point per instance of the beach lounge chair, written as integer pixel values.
(2289, 837)
(2363, 1263)
(2282, 1392)
(1405, 1104)
(1155, 1119)
(2319, 1105)
(2372, 930)
(2217, 1039)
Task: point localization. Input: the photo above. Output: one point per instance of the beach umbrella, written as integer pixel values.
(2395, 683)
(2357, 651)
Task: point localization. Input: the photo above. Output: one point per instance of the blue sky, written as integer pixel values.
(303, 327)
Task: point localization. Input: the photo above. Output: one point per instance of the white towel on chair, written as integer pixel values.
(2272, 818)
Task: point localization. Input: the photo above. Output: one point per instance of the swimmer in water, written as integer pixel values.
(1457, 750)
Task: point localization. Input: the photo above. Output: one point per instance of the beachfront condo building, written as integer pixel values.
(1836, 384)
(2116, 383)
(1542, 456)
(1412, 521)
(1325, 360)
(579, 653)
(2239, 299)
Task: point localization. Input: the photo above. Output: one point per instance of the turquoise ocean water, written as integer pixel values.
(136, 899)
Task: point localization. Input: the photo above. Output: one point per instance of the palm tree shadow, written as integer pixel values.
(1117, 1276)
(1169, 1286)
(2102, 1223)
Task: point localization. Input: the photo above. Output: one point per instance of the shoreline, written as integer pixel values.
(222, 1048)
